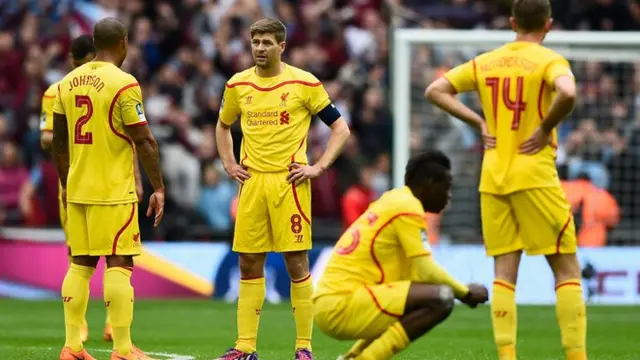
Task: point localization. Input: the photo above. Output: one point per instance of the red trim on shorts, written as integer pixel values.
(122, 229)
(253, 85)
(373, 241)
(504, 285)
(295, 198)
(251, 278)
(375, 300)
(301, 280)
(130, 268)
(113, 129)
(137, 124)
(49, 97)
(568, 283)
(564, 228)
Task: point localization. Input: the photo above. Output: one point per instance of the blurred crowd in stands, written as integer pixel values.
(183, 51)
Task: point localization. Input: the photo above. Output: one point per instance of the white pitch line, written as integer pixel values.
(166, 356)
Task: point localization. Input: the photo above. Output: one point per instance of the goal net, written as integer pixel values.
(600, 141)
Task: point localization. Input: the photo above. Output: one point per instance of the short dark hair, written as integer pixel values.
(108, 33)
(81, 47)
(430, 165)
(531, 15)
(269, 26)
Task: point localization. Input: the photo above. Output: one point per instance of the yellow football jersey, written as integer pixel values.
(275, 115)
(377, 248)
(99, 100)
(46, 115)
(515, 83)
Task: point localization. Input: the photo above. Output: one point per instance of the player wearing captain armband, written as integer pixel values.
(381, 286)
(275, 103)
(526, 90)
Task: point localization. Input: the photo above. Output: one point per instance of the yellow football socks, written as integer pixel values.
(75, 296)
(572, 318)
(250, 299)
(301, 293)
(391, 342)
(504, 318)
(118, 298)
(358, 348)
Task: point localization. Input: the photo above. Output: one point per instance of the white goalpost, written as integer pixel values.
(607, 69)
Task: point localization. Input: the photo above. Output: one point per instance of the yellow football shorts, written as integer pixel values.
(103, 230)
(364, 314)
(538, 221)
(273, 215)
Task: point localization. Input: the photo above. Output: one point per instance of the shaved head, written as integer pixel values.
(108, 33)
(110, 40)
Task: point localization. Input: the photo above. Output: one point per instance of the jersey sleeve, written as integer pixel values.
(463, 77)
(46, 115)
(411, 233)
(229, 108)
(58, 107)
(557, 68)
(131, 108)
(316, 96)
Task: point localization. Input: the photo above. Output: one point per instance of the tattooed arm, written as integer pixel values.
(60, 147)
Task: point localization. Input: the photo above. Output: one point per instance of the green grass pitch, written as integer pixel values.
(187, 330)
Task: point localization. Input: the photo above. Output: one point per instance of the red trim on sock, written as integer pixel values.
(301, 280)
(568, 283)
(251, 278)
(504, 285)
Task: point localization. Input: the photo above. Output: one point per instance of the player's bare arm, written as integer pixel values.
(60, 149)
(147, 151)
(561, 107)
(46, 139)
(225, 149)
(339, 134)
(443, 95)
(138, 176)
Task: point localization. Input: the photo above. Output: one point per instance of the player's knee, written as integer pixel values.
(564, 266)
(119, 261)
(251, 265)
(297, 264)
(446, 300)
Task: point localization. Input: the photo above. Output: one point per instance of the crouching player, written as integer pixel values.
(381, 286)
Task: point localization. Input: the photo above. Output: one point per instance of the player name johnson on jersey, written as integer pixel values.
(275, 115)
(515, 84)
(99, 100)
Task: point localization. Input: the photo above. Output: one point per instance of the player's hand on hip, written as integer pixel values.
(538, 140)
(478, 294)
(156, 206)
(238, 173)
(300, 173)
(488, 140)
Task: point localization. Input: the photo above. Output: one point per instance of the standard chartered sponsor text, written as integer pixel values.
(262, 118)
